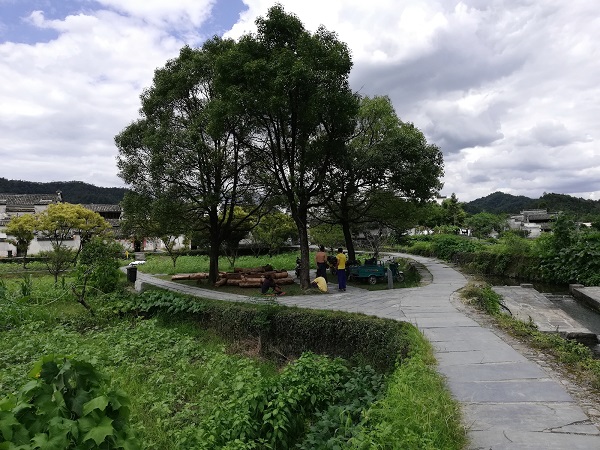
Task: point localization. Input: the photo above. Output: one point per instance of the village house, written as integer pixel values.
(535, 222)
(12, 205)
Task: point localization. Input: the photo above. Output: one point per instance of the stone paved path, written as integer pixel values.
(508, 401)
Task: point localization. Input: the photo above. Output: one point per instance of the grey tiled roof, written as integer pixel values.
(27, 199)
(103, 208)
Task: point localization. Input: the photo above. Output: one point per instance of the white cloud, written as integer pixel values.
(507, 88)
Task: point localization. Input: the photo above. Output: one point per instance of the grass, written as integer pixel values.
(157, 263)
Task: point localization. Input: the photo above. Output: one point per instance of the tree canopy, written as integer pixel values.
(187, 148)
(270, 121)
(385, 162)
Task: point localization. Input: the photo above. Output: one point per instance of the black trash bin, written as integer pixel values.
(131, 274)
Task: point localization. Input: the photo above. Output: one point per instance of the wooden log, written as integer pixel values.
(221, 282)
(286, 280)
(233, 282)
(253, 279)
(181, 276)
(199, 276)
(249, 284)
(265, 268)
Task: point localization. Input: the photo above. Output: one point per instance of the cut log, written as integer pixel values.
(250, 284)
(199, 276)
(231, 275)
(221, 282)
(181, 276)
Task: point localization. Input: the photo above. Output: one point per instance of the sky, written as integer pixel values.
(508, 89)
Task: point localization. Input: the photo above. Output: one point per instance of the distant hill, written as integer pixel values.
(499, 202)
(72, 191)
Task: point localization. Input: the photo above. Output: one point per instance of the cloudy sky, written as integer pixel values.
(508, 89)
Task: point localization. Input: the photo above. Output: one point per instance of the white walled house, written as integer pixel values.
(14, 205)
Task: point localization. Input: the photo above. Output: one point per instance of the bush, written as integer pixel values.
(290, 331)
(65, 407)
(445, 246)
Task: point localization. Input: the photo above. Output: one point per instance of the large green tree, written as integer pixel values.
(292, 86)
(386, 162)
(186, 143)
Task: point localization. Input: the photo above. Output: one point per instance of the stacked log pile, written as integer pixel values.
(241, 277)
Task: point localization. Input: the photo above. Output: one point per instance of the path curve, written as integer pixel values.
(508, 402)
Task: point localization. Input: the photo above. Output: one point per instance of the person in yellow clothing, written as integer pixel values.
(341, 269)
(320, 283)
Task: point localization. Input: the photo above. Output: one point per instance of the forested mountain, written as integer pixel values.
(499, 202)
(72, 191)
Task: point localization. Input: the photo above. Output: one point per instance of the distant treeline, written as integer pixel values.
(499, 202)
(76, 192)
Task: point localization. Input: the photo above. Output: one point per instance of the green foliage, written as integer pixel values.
(454, 213)
(21, 228)
(98, 265)
(58, 260)
(330, 236)
(276, 415)
(371, 340)
(482, 224)
(341, 421)
(577, 263)
(446, 246)
(273, 231)
(484, 297)
(512, 244)
(498, 203)
(65, 406)
(179, 372)
(200, 263)
(409, 417)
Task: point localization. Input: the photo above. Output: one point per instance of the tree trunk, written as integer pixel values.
(304, 257)
(213, 254)
(348, 240)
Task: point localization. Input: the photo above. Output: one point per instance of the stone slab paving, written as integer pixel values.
(508, 402)
(527, 303)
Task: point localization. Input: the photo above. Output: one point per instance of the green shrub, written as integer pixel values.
(65, 406)
(445, 245)
(290, 331)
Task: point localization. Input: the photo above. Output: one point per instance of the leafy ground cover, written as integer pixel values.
(190, 388)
